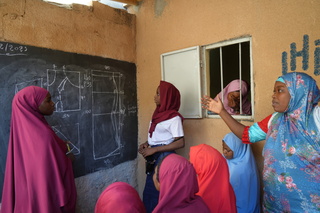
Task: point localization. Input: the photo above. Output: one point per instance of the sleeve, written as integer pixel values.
(316, 116)
(176, 127)
(256, 132)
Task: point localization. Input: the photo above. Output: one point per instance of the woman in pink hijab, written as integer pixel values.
(38, 176)
(213, 177)
(176, 180)
(231, 97)
(119, 197)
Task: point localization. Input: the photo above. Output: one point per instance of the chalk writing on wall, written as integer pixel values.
(95, 100)
(304, 54)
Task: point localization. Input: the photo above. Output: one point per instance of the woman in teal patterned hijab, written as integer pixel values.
(292, 151)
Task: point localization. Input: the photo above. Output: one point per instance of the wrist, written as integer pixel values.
(223, 111)
(156, 149)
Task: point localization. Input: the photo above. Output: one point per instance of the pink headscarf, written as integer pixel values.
(38, 175)
(169, 105)
(213, 177)
(232, 87)
(178, 187)
(119, 197)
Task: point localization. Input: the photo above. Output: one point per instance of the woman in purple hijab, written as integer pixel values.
(231, 97)
(38, 176)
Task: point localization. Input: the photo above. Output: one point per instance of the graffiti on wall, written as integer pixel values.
(304, 53)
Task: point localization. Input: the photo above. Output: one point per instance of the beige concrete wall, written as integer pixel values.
(99, 30)
(168, 25)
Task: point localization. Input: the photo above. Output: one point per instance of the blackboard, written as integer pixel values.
(95, 97)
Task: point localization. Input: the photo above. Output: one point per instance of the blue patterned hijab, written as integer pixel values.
(292, 151)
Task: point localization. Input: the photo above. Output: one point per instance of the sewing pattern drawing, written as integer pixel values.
(69, 133)
(35, 82)
(95, 102)
(64, 86)
(107, 113)
(107, 109)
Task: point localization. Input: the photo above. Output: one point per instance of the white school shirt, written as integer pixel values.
(166, 131)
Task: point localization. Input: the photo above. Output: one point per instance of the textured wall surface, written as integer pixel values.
(89, 187)
(99, 30)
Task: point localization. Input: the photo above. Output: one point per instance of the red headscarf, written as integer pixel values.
(169, 105)
(178, 187)
(119, 197)
(213, 177)
(39, 175)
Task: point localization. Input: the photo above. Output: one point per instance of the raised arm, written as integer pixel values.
(217, 107)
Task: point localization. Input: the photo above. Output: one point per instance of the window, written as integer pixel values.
(182, 69)
(208, 69)
(230, 62)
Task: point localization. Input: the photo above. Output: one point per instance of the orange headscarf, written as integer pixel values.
(213, 178)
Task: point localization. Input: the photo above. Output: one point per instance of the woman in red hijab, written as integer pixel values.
(38, 176)
(119, 197)
(165, 135)
(176, 180)
(213, 177)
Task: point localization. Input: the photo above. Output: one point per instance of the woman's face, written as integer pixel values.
(47, 105)
(281, 97)
(234, 100)
(157, 97)
(227, 152)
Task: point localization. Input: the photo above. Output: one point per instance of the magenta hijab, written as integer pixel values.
(38, 175)
(169, 105)
(232, 87)
(178, 187)
(119, 197)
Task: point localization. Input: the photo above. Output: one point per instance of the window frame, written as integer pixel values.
(173, 70)
(205, 72)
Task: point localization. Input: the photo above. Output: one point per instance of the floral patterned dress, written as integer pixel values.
(291, 173)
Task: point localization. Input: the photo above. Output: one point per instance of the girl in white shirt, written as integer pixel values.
(164, 137)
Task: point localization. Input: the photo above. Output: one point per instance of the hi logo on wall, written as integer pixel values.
(304, 53)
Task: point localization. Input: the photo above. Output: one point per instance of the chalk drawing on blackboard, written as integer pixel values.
(69, 133)
(107, 113)
(35, 82)
(8, 49)
(22, 66)
(64, 87)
